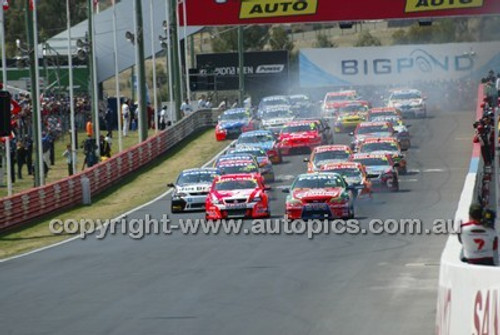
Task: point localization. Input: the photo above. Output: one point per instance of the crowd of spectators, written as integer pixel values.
(478, 235)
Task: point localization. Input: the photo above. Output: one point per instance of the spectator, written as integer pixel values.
(163, 118)
(478, 236)
(223, 105)
(484, 136)
(126, 117)
(21, 158)
(186, 108)
(202, 102)
(235, 104)
(89, 128)
(89, 150)
(497, 84)
(209, 103)
(69, 159)
(28, 145)
(491, 92)
(46, 153)
(109, 120)
(105, 147)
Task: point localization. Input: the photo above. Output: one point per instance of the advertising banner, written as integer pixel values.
(262, 69)
(397, 65)
(243, 12)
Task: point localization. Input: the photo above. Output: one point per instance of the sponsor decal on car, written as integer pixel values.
(413, 6)
(252, 9)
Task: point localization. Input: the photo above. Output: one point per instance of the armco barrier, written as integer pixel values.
(23, 207)
(469, 295)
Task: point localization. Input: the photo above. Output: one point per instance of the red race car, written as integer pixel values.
(319, 196)
(333, 100)
(237, 196)
(304, 135)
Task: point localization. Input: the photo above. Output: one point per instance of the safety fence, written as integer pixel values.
(469, 295)
(23, 207)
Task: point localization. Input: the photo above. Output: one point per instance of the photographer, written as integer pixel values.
(478, 236)
(485, 137)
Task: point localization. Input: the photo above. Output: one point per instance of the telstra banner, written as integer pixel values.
(243, 12)
(398, 65)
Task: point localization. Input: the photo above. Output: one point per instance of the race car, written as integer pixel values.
(392, 115)
(385, 145)
(381, 170)
(325, 154)
(191, 189)
(274, 118)
(263, 139)
(333, 100)
(410, 102)
(233, 122)
(303, 135)
(301, 104)
(272, 101)
(319, 196)
(349, 115)
(237, 196)
(265, 164)
(371, 129)
(355, 176)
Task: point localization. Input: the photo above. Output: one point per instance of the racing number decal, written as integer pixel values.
(480, 243)
(253, 9)
(413, 6)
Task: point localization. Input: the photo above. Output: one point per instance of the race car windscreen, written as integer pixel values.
(329, 155)
(239, 184)
(299, 128)
(348, 172)
(373, 161)
(234, 116)
(405, 96)
(336, 98)
(236, 169)
(352, 109)
(256, 139)
(373, 129)
(195, 178)
(276, 114)
(275, 102)
(258, 153)
(299, 99)
(383, 146)
(382, 116)
(318, 182)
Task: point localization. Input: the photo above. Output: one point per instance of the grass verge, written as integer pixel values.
(133, 190)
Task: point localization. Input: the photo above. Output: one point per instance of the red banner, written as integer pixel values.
(243, 12)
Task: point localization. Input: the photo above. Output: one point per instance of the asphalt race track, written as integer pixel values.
(333, 284)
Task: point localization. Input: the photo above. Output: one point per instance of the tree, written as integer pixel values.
(279, 39)
(50, 20)
(365, 39)
(226, 39)
(322, 41)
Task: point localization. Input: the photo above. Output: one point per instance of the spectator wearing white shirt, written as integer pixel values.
(126, 117)
(186, 108)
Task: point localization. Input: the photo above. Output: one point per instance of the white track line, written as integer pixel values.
(115, 219)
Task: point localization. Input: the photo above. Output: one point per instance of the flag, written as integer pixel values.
(5, 5)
